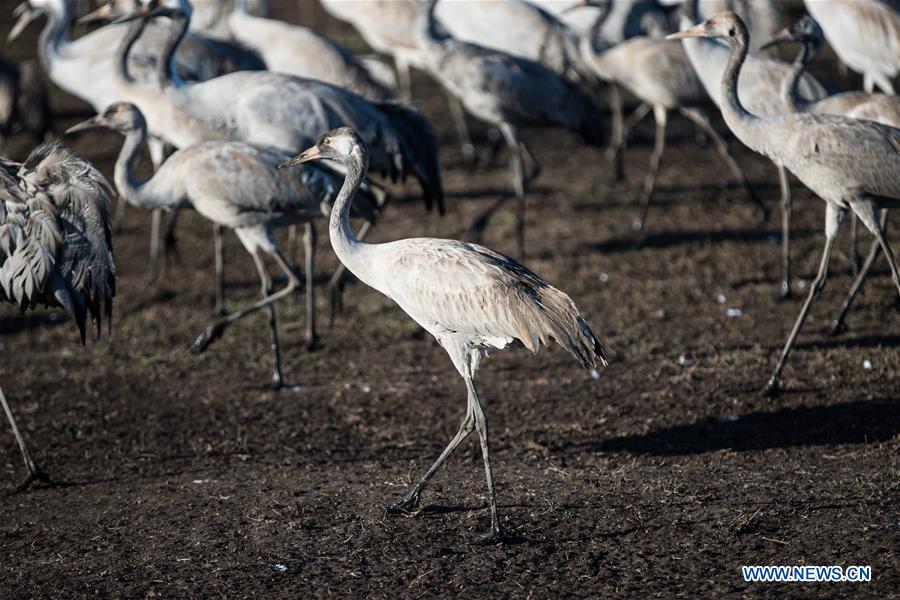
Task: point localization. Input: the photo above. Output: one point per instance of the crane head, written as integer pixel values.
(726, 26)
(804, 31)
(338, 144)
(25, 14)
(119, 116)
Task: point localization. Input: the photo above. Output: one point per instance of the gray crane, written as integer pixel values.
(55, 246)
(882, 108)
(849, 163)
(509, 93)
(758, 86)
(660, 75)
(470, 298)
(233, 185)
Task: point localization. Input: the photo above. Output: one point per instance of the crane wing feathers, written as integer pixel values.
(456, 288)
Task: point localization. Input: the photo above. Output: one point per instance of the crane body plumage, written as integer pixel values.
(55, 245)
(470, 298)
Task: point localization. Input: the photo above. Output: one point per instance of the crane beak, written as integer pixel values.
(146, 11)
(91, 123)
(695, 31)
(306, 156)
(782, 37)
(26, 14)
(104, 13)
(574, 7)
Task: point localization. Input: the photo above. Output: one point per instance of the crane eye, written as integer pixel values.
(326, 141)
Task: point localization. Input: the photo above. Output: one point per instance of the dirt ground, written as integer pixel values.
(180, 474)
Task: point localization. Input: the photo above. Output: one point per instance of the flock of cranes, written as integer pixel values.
(224, 117)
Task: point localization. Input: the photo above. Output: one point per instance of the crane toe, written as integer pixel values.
(772, 388)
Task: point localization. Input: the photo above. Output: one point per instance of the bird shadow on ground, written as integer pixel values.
(28, 322)
(857, 422)
(677, 238)
(159, 296)
(843, 341)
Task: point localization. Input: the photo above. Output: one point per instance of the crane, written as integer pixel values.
(865, 34)
(509, 93)
(849, 163)
(23, 100)
(55, 247)
(759, 85)
(470, 298)
(233, 185)
(882, 108)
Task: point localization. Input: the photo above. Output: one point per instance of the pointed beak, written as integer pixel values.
(104, 13)
(306, 156)
(574, 7)
(91, 123)
(25, 14)
(695, 31)
(782, 37)
(146, 11)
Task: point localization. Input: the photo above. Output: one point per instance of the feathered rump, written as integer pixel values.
(561, 320)
(55, 239)
(419, 149)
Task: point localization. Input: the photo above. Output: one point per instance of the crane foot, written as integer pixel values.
(406, 505)
(35, 473)
(494, 536)
(837, 328)
(772, 387)
(784, 293)
(212, 333)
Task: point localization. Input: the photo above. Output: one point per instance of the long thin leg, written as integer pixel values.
(837, 325)
(832, 224)
(309, 243)
(659, 146)
(722, 148)
(291, 252)
(854, 243)
(155, 226)
(411, 499)
(869, 216)
(219, 240)
(214, 331)
(32, 471)
(403, 79)
(170, 242)
(787, 209)
(481, 426)
(535, 170)
(119, 217)
(266, 288)
(462, 130)
(614, 152)
(616, 134)
(518, 182)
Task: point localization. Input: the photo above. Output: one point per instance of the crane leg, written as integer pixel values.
(614, 153)
(869, 216)
(309, 246)
(660, 114)
(119, 218)
(462, 130)
(833, 217)
(219, 240)
(170, 242)
(837, 325)
(266, 287)
(403, 79)
(215, 331)
(703, 122)
(854, 244)
(335, 287)
(518, 182)
(787, 209)
(32, 471)
(155, 226)
(617, 133)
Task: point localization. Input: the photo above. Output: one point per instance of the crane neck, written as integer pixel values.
(130, 187)
(55, 33)
(789, 85)
(168, 72)
(731, 103)
(429, 32)
(131, 36)
(343, 240)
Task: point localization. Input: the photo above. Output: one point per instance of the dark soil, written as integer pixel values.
(180, 474)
